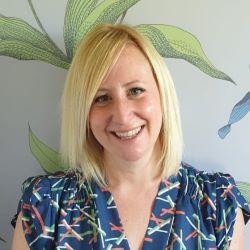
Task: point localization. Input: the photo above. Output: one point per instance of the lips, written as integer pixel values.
(130, 133)
(125, 131)
(127, 138)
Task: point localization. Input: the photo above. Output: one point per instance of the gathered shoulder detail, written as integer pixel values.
(197, 184)
(228, 200)
(46, 201)
(217, 196)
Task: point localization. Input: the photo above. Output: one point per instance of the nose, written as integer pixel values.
(122, 111)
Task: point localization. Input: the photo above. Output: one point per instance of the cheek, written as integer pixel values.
(151, 107)
(97, 121)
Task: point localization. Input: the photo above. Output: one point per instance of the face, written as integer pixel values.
(126, 115)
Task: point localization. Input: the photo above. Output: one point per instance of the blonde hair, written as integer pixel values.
(94, 57)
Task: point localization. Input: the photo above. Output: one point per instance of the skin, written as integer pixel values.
(19, 242)
(239, 234)
(129, 164)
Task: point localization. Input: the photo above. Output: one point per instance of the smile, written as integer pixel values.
(128, 135)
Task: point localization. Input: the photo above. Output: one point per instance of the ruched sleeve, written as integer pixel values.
(42, 205)
(209, 202)
(228, 200)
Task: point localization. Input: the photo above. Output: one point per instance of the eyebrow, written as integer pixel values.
(124, 85)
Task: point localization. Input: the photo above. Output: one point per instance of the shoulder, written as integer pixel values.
(197, 183)
(59, 184)
(220, 185)
(47, 201)
(40, 191)
(192, 173)
(57, 179)
(220, 182)
(218, 196)
(47, 180)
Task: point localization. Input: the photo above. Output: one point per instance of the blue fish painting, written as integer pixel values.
(238, 112)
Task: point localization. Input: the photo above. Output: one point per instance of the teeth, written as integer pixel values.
(129, 133)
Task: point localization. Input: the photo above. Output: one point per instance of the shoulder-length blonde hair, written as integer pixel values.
(94, 58)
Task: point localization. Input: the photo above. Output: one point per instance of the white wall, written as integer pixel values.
(30, 91)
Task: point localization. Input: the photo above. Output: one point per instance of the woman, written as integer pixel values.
(127, 187)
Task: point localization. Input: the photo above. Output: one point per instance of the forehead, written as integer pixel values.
(131, 65)
(132, 53)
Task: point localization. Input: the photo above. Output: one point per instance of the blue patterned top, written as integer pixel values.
(193, 210)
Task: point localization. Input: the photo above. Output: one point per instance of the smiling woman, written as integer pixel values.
(127, 186)
(110, 63)
(128, 123)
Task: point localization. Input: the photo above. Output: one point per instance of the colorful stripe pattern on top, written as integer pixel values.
(193, 210)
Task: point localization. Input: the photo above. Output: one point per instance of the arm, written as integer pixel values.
(19, 241)
(238, 239)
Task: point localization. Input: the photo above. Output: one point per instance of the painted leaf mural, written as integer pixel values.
(23, 51)
(20, 40)
(173, 42)
(244, 188)
(48, 158)
(238, 112)
(75, 15)
(105, 12)
(24, 42)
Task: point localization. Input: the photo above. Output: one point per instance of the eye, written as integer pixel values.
(136, 91)
(101, 99)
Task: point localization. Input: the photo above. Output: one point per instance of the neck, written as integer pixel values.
(131, 174)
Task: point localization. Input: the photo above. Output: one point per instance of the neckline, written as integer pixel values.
(159, 186)
(159, 220)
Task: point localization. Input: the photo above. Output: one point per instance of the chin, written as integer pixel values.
(133, 156)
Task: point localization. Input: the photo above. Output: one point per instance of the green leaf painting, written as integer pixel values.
(173, 42)
(76, 13)
(21, 41)
(106, 12)
(48, 158)
(25, 51)
(244, 188)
